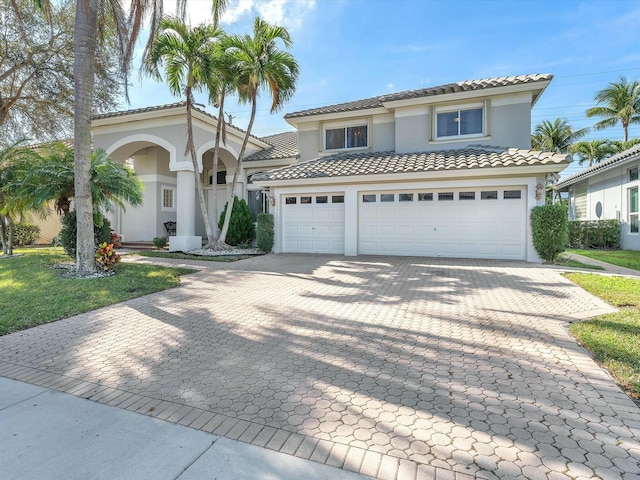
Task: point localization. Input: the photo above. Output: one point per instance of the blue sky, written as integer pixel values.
(353, 49)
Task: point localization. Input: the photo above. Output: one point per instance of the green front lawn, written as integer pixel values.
(622, 258)
(33, 292)
(613, 338)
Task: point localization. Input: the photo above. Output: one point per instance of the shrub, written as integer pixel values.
(596, 234)
(106, 256)
(264, 232)
(161, 242)
(549, 226)
(68, 234)
(24, 234)
(241, 228)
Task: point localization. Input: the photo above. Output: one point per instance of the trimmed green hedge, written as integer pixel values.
(550, 230)
(595, 234)
(25, 234)
(264, 232)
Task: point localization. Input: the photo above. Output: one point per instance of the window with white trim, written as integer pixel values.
(634, 226)
(168, 195)
(462, 121)
(341, 138)
(633, 174)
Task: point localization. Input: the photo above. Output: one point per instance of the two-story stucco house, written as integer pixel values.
(440, 171)
(607, 191)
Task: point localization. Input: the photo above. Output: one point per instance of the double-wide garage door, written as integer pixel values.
(482, 223)
(466, 223)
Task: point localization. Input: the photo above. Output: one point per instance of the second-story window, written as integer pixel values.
(346, 137)
(459, 122)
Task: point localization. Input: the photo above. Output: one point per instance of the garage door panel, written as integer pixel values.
(478, 228)
(313, 227)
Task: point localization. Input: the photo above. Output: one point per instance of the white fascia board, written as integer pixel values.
(270, 163)
(337, 116)
(139, 117)
(140, 124)
(461, 96)
(429, 175)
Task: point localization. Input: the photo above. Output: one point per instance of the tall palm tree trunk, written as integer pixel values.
(3, 236)
(227, 217)
(192, 150)
(83, 75)
(216, 158)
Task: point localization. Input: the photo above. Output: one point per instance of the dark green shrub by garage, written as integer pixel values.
(550, 229)
(264, 232)
(25, 234)
(241, 228)
(68, 234)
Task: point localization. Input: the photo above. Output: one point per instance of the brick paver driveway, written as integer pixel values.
(393, 367)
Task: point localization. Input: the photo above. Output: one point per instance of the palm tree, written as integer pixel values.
(186, 54)
(12, 204)
(621, 146)
(258, 63)
(620, 101)
(51, 176)
(555, 136)
(593, 151)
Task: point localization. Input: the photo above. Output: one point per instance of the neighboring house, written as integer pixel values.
(608, 190)
(410, 173)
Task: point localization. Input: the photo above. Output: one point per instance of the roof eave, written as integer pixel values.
(579, 177)
(431, 174)
(318, 117)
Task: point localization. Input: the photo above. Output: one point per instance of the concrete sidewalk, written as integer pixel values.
(53, 435)
(608, 267)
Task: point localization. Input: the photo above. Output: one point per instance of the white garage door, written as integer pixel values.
(313, 223)
(479, 223)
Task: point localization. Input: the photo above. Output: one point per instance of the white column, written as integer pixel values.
(185, 238)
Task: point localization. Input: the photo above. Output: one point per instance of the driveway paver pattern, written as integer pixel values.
(399, 368)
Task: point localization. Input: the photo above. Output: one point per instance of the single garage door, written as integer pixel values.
(313, 223)
(479, 223)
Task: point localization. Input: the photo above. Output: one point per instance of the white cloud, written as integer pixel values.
(390, 86)
(286, 13)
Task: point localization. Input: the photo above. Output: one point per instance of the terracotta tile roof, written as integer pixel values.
(374, 163)
(464, 86)
(284, 145)
(610, 162)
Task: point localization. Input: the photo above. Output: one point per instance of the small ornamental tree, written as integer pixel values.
(241, 228)
(550, 229)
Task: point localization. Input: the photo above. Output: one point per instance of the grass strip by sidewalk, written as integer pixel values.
(621, 258)
(33, 292)
(567, 262)
(614, 338)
